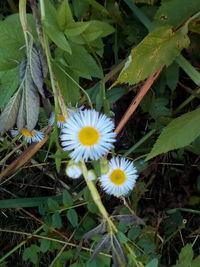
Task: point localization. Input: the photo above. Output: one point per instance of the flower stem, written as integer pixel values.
(97, 199)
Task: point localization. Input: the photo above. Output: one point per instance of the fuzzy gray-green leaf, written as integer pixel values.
(9, 115)
(32, 103)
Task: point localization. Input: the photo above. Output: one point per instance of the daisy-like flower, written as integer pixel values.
(73, 170)
(29, 136)
(89, 134)
(120, 178)
(60, 118)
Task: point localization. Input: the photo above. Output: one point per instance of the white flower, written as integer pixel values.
(60, 118)
(120, 178)
(29, 136)
(88, 134)
(73, 170)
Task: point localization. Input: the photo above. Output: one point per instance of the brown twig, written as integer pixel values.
(23, 158)
(136, 101)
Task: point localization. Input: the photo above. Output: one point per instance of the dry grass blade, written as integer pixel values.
(24, 158)
(136, 101)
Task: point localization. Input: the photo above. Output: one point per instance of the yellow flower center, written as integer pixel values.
(118, 177)
(25, 132)
(88, 136)
(60, 118)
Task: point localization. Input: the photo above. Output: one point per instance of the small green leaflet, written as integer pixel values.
(167, 14)
(178, 133)
(159, 47)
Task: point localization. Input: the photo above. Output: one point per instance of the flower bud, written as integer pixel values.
(91, 175)
(73, 170)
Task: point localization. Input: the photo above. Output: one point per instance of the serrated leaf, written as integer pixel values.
(178, 133)
(76, 28)
(9, 82)
(100, 229)
(21, 117)
(72, 217)
(185, 256)
(175, 13)
(12, 40)
(32, 101)
(52, 28)
(64, 14)
(36, 69)
(9, 115)
(159, 47)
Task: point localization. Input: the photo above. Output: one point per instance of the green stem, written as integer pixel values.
(142, 140)
(97, 199)
(23, 19)
(20, 244)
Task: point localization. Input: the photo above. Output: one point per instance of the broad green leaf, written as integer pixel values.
(67, 199)
(185, 257)
(31, 254)
(52, 204)
(172, 76)
(70, 90)
(56, 220)
(152, 263)
(52, 28)
(64, 15)
(72, 217)
(9, 115)
(9, 82)
(12, 40)
(115, 94)
(76, 28)
(176, 12)
(178, 133)
(96, 29)
(82, 63)
(44, 245)
(159, 47)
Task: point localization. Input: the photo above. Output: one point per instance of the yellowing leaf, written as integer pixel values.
(160, 47)
(178, 133)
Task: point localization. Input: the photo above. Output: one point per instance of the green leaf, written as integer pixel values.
(159, 47)
(52, 204)
(52, 28)
(9, 115)
(185, 257)
(64, 15)
(67, 199)
(12, 40)
(44, 245)
(174, 12)
(172, 76)
(152, 263)
(27, 202)
(69, 89)
(82, 63)
(72, 217)
(31, 254)
(115, 94)
(76, 28)
(56, 220)
(8, 84)
(178, 133)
